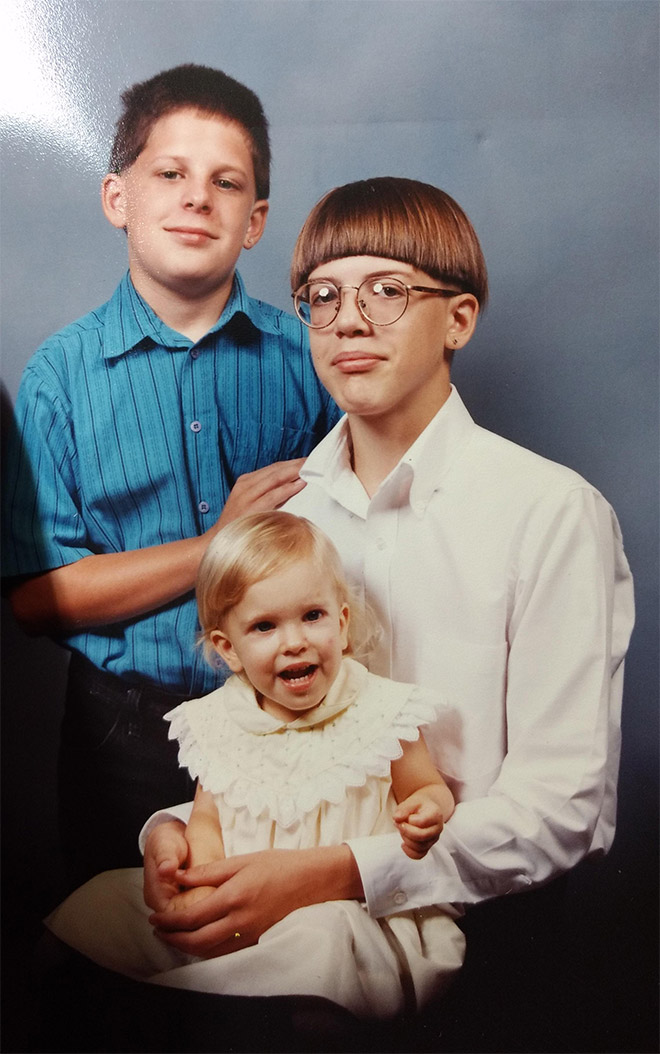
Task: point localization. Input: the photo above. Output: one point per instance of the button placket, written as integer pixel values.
(195, 396)
(379, 542)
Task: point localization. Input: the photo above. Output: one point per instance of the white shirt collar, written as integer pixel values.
(414, 480)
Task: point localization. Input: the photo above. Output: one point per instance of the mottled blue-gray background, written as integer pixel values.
(540, 117)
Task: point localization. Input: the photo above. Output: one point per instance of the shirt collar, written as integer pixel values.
(130, 320)
(413, 481)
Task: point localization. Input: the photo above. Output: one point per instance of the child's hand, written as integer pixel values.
(166, 851)
(420, 822)
(187, 897)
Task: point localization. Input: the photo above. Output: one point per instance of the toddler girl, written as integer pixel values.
(301, 747)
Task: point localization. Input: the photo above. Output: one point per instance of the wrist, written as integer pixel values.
(332, 874)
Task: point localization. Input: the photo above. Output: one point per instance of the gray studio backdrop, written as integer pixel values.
(539, 116)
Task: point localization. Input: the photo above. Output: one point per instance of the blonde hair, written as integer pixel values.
(400, 219)
(251, 548)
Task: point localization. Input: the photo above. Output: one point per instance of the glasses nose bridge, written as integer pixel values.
(341, 301)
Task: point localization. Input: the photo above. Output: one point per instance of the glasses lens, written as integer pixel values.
(317, 304)
(382, 300)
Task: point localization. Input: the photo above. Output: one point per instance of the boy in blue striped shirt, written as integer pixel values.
(140, 430)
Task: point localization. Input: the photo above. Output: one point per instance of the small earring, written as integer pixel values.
(455, 342)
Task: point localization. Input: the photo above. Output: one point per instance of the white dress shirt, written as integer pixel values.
(500, 580)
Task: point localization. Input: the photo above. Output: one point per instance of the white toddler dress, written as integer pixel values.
(316, 781)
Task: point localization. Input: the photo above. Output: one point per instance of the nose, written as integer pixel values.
(349, 318)
(293, 638)
(197, 196)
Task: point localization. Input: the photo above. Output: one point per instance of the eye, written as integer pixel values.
(313, 616)
(262, 627)
(170, 174)
(226, 184)
(322, 295)
(387, 289)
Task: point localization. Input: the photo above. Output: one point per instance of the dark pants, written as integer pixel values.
(116, 767)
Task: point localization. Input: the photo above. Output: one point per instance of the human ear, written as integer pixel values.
(462, 320)
(113, 200)
(257, 223)
(225, 649)
(344, 619)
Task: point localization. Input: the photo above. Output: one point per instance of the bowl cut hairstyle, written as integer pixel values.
(399, 219)
(191, 87)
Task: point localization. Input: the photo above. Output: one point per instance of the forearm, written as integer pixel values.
(492, 846)
(107, 588)
(329, 873)
(204, 833)
(111, 587)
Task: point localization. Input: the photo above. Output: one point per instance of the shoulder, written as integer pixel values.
(76, 331)
(270, 319)
(394, 705)
(514, 471)
(532, 503)
(56, 355)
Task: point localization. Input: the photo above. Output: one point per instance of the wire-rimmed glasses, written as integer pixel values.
(381, 301)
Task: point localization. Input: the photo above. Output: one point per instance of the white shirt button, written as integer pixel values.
(196, 426)
(203, 506)
(399, 897)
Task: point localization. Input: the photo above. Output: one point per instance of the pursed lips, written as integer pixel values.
(347, 360)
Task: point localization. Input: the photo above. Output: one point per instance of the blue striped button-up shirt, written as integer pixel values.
(128, 435)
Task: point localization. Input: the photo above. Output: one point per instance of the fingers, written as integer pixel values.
(416, 844)
(193, 914)
(219, 938)
(420, 831)
(212, 874)
(164, 853)
(181, 901)
(197, 930)
(263, 490)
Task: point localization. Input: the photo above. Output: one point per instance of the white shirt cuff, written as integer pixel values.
(392, 882)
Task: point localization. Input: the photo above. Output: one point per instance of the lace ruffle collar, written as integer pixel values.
(224, 742)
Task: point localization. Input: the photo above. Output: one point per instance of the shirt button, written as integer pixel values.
(196, 426)
(203, 506)
(399, 897)
(194, 353)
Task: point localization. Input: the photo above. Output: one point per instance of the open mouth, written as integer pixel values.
(298, 674)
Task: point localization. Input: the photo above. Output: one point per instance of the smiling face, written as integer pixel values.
(397, 374)
(287, 635)
(188, 206)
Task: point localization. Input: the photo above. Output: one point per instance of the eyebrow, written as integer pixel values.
(389, 272)
(177, 159)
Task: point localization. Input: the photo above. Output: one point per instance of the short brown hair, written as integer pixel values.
(199, 88)
(400, 219)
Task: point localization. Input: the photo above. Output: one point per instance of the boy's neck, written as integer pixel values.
(378, 445)
(191, 315)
